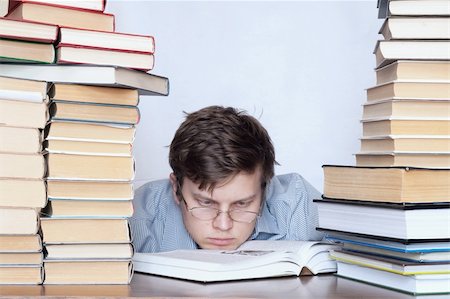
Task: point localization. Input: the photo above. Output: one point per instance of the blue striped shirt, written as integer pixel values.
(288, 214)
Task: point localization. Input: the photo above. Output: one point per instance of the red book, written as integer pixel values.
(107, 40)
(97, 5)
(62, 16)
(30, 31)
(84, 55)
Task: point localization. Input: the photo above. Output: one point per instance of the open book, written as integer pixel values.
(253, 259)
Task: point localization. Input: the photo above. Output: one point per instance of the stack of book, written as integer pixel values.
(68, 32)
(90, 171)
(92, 112)
(391, 211)
(23, 113)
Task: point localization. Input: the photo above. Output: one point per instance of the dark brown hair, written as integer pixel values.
(216, 143)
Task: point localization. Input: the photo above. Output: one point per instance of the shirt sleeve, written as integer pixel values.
(146, 227)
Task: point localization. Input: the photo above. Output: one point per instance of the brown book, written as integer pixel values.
(388, 51)
(62, 16)
(407, 109)
(23, 221)
(406, 143)
(90, 132)
(21, 274)
(85, 230)
(30, 166)
(88, 208)
(417, 159)
(23, 89)
(84, 167)
(387, 184)
(21, 258)
(92, 190)
(74, 54)
(416, 28)
(20, 140)
(409, 90)
(77, 111)
(25, 51)
(88, 148)
(23, 193)
(385, 127)
(88, 272)
(95, 94)
(23, 114)
(414, 70)
(89, 251)
(20, 243)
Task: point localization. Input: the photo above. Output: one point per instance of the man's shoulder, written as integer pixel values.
(290, 187)
(153, 194)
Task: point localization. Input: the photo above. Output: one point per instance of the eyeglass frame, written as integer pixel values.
(180, 194)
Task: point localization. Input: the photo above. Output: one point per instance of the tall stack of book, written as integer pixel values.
(96, 83)
(23, 113)
(392, 210)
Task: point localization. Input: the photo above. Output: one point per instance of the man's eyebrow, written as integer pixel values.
(202, 196)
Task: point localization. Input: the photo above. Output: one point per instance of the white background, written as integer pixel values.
(300, 67)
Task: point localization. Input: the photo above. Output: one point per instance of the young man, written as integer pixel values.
(222, 191)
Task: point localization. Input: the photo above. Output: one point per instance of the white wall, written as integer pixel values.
(301, 67)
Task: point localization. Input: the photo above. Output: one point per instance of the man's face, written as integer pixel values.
(242, 192)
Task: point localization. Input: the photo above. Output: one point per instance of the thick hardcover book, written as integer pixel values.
(24, 90)
(98, 5)
(20, 140)
(414, 71)
(416, 28)
(66, 54)
(386, 184)
(23, 114)
(409, 90)
(85, 230)
(401, 126)
(31, 31)
(62, 16)
(420, 284)
(114, 271)
(23, 193)
(113, 41)
(95, 94)
(411, 143)
(89, 132)
(90, 190)
(400, 221)
(89, 112)
(387, 51)
(390, 264)
(253, 259)
(147, 84)
(26, 52)
(440, 160)
(88, 167)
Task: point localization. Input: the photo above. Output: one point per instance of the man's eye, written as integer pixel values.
(204, 202)
(241, 204)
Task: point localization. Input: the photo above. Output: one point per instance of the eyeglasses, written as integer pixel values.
(203, 213)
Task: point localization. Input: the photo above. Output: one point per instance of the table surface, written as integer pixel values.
(143, 285)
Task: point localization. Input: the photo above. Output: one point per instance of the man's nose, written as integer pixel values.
(223, 221)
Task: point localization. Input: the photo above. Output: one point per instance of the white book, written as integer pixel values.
(415, 284)
(253, 259)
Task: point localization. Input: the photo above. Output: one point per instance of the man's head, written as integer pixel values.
(221, 158)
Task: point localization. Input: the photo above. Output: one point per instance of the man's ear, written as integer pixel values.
(174, 182)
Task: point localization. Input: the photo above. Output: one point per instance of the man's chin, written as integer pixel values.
(221, 244)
